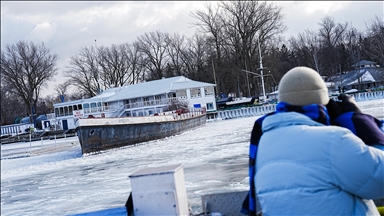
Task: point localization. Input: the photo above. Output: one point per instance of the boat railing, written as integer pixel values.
(119, 111)
(190, 114)
(100, 109)
(149, 103)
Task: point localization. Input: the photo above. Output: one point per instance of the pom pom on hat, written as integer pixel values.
(302, 86)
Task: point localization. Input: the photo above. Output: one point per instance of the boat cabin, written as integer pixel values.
(143, 99)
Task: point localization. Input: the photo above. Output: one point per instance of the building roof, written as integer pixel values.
(155, 87)
(363, 75)
(106, 93)
(366, 75)
(364, 62)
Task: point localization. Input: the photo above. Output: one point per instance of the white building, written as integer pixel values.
(142, 99)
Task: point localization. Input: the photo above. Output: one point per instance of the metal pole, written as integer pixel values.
(249, 90)
(214, 76)
(30, 142)
(261, 69)
(98, 79)
(32, 120)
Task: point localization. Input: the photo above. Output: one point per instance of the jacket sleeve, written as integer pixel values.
(357, 167)
(364, 126)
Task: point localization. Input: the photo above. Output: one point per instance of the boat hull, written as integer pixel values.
(100, 137)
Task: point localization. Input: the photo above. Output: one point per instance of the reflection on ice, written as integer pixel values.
(215, 158)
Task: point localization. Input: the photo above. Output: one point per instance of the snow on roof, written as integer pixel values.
(155, 87)
(329, 84)
(189, 84)
(365, 77)
(105, 94)
(363, 62)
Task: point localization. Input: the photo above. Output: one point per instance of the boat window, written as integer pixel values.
(80, 107)
(93, 105)
(66, 111)
(57, 112)
(86, 106)
(70, 111)
(74, 107)
(99, 104)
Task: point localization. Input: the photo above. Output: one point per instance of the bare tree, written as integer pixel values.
(353, 44)
(210, 23)
(10, 109)
(330, 35)
(247, 22)
(374, 46)
(307, 47)
(26, 68)
(135, 62)
(83, 72)
(62, 90)
(236, 27)
(154, 46)
(115, 65)
(196, 57)
(174, 49)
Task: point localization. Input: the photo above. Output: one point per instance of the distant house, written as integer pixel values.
(146, 98)
(366, 75)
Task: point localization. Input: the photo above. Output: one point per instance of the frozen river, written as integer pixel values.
(215, 158)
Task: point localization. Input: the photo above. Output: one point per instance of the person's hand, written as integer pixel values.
(348, 104)
(365, 126)
(344, 105)
(334, 109)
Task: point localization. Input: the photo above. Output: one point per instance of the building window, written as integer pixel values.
(181, 94)
(57, 112)
(208, 91)
(209, 106)
(171, 95)
(195, 93)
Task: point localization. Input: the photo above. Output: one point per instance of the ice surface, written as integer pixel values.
(65, 182)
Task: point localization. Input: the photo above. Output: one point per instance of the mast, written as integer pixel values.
(261, 69)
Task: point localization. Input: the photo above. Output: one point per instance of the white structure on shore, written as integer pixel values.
(143, 99)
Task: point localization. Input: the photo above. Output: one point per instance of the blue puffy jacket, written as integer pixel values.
(306, 168)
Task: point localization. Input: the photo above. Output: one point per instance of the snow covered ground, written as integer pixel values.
(54, 178)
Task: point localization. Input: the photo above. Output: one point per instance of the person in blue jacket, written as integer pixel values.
(313, 155)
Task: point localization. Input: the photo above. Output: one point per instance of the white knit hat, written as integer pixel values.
(302, 86)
